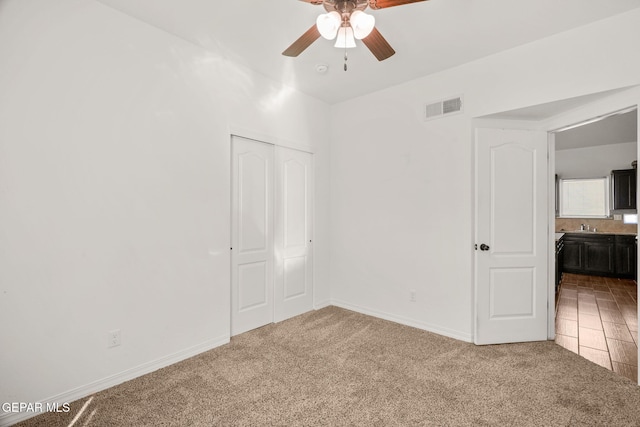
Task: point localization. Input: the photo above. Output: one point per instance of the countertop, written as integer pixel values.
(563, 232)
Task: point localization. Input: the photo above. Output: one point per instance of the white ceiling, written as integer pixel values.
(547, 110)
(428, 36)
(615, 129)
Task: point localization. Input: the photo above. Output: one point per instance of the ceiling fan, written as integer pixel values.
(344, 21)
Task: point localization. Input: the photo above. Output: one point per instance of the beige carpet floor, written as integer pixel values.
(334, 367)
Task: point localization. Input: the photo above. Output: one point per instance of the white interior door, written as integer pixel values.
(293, 233)
(511, 236)
(251, 234)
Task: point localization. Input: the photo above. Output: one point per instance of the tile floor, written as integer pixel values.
(597, 317)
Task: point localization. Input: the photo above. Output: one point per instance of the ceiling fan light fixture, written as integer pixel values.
(345, 38)
(328, 24)
(362, 24)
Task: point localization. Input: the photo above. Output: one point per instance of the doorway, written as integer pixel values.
(271, 233)
(596, 257)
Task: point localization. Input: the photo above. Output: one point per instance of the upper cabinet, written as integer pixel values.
(623, 185)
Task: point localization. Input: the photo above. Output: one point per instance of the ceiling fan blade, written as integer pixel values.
(382, 4)
(316, 2)
(378, 45)
(305, 40)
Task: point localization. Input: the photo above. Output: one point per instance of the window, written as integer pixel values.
(584, 198)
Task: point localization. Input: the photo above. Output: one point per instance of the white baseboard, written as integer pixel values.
(7, 419)
(321, 304)
(405, 321)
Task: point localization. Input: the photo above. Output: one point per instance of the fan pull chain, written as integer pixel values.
(345, 59)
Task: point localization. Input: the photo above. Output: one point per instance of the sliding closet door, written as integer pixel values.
(251, 234)
(293, 233)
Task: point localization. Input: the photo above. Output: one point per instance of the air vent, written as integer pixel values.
(442, 108)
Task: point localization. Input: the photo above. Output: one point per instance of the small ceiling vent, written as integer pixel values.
(442, 108)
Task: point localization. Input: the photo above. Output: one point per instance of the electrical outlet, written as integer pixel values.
(412, 295)
(114, 338)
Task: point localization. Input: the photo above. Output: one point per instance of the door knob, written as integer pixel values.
(484, 247)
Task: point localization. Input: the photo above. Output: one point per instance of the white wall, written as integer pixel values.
(402, 188)
(114, 193)
(598, 161)
(114, 186)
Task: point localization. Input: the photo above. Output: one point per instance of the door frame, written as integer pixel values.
(241, 132)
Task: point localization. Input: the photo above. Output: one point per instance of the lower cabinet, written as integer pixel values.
(625, 256)
(573, 256)
(600, 254)
(559, 262)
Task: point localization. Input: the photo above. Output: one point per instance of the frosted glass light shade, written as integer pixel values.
(328, 24)
(362, 24)
(345, 38)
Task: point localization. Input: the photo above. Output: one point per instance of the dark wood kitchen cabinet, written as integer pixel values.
(559, 262)
(623, 184)
(625, 256)
(589, 254)
(600, 254)
(572, 256)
